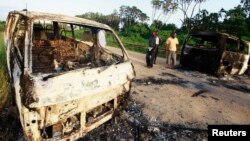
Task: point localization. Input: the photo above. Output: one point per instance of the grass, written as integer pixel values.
(5, 89)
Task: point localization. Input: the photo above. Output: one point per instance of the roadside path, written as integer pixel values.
(189, 98)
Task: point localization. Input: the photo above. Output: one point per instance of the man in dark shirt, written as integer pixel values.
(158, 42)
(150, 53)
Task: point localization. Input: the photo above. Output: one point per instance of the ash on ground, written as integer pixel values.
(10, 127)
(130, 124)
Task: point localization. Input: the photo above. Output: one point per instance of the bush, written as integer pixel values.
(2, 26)
(4, 83)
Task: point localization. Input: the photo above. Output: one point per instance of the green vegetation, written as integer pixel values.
(4, 83)
(130, 22)
(2, 24)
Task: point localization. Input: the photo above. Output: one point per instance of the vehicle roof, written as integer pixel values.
(217, 34)
(60, 18)
(207, 33)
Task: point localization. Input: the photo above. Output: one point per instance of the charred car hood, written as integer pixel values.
(78, 83)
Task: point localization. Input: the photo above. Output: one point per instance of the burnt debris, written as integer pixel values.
(131, 124)
(215, 53)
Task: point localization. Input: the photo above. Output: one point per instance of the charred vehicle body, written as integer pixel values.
(66, 81)
(215, 53)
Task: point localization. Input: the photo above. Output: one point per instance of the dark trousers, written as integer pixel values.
(155, 54)
(150, 58)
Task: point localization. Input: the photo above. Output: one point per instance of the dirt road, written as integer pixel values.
(165, 105)
(189, 98)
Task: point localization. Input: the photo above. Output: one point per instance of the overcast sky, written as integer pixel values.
(77, 7)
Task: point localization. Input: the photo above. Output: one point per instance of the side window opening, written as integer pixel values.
(202, 42)
(111, 40)
(232, 45)
(19, 40)
(65, 31)
(87, 36)
(244, 49)
(59, 47)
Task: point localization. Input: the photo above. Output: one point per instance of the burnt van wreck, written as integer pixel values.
(215, 53)
(66, 81)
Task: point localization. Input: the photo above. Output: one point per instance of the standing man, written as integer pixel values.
(171, 47)
(158, 41)
(151, 49)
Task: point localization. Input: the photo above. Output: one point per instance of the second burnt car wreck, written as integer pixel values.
(66, 81)
(216, 53)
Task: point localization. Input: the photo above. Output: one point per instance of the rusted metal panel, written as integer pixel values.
(64, 86)
(216, 53)
(62, 18)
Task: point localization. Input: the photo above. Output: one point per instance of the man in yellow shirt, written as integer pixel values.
(171, 47)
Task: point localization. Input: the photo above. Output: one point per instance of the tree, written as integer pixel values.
(93, 16)
(235, 21)
(112, 20)
(184, 6)
(246, 6)
(131, 15)
(162, 10)
(157, 25)
(205, 21)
